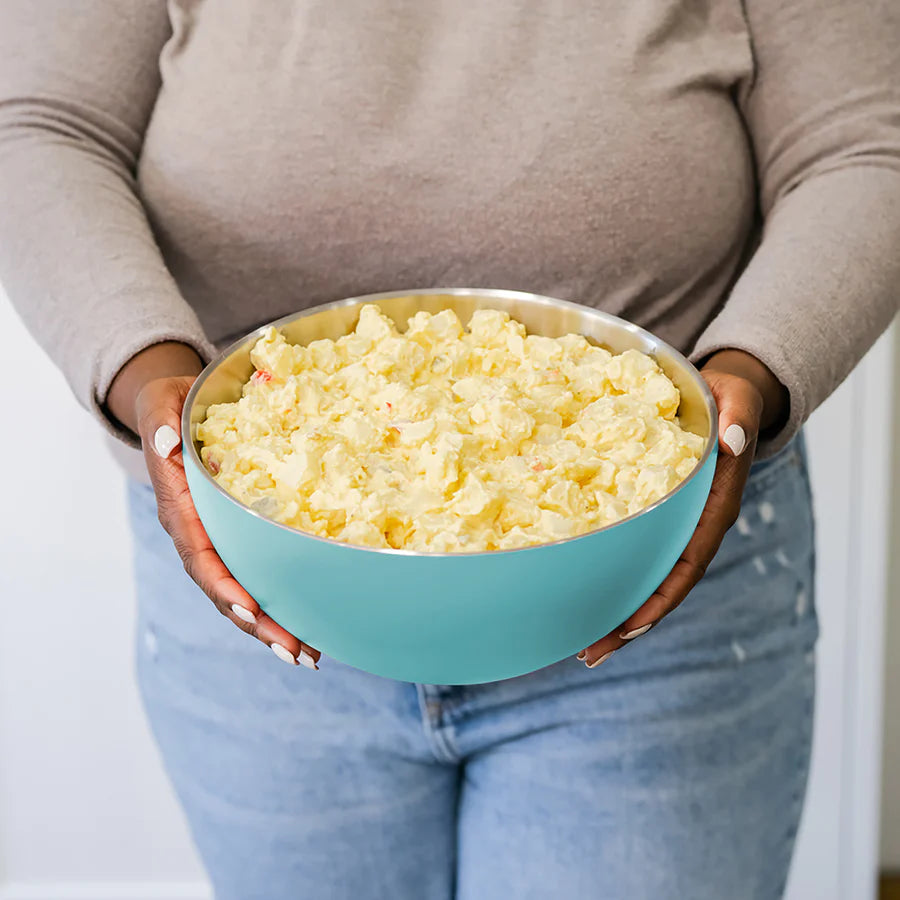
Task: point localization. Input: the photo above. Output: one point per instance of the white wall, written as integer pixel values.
(83, 801)
(851, 455)
(85, 811)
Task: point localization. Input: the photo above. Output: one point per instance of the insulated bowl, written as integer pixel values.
(458, 618)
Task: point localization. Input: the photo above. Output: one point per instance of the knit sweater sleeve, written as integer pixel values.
(78, 260)
(823, 114)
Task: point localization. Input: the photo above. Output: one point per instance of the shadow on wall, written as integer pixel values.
(890, 803)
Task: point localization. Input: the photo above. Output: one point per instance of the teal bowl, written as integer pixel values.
(458, 618)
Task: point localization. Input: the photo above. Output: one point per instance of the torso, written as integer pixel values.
(305, 151)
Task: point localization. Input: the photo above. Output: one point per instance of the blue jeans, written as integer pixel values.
(676, 769)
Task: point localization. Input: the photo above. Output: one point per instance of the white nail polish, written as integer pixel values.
(735, 439)
(597, 662)
(243, 613)
(284, 654)
(306, 660)
(637, 632)
(165, 440)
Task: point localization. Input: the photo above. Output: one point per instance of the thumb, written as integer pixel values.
(159, 407)
(166, 440)
(740, 407)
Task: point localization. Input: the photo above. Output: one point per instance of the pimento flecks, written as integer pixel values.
(261, 376)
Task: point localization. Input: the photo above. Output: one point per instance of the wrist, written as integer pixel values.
(167, 359)
(774, 395)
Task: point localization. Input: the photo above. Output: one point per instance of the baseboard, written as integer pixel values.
(106, 890)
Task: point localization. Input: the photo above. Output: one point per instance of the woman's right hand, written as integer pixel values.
(155, 414)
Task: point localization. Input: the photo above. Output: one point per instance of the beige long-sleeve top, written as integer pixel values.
(724, 173)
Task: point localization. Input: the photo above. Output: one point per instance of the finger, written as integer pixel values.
(601, 651)
(685, 574)
(279, 640)
(159, 425)
(178, 516)
(206, 568)
(718, 515)
(737, 407)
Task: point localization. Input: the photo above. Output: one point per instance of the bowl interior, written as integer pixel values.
(223, 380)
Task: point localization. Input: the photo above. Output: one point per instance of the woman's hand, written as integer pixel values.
(749, 399)
(150, 404)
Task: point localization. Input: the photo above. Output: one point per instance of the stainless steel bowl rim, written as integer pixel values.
(190, 449)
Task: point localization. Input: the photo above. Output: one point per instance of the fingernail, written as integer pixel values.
(306, 660)
(735, 439)
(165, 440)
(243, 613)
(284, 654)
(597, 662)
(636, 632)
(582, 655)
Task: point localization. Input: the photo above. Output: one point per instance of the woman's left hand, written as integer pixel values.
(749, 399)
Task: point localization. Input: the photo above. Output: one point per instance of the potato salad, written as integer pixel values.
(447, 439)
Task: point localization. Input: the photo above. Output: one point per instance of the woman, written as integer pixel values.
(725, 174)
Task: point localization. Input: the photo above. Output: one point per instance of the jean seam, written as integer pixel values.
(437, 730)
(442, 739)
